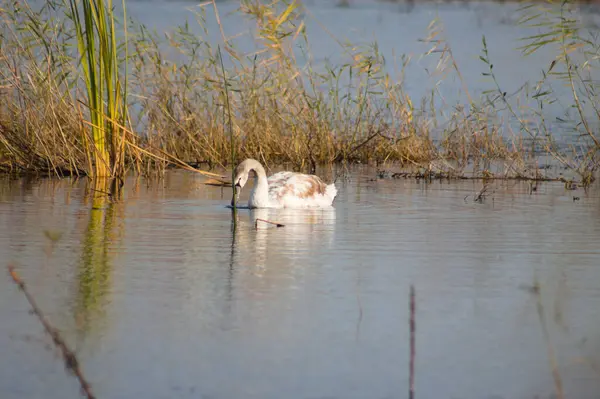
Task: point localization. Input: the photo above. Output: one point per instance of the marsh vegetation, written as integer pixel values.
(89, 91)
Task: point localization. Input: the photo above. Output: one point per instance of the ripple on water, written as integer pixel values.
(168, 300)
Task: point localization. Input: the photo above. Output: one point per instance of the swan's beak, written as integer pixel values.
(236, 198)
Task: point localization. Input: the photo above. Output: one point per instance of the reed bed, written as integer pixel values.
(101, 96)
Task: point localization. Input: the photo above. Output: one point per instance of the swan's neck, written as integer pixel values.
(259, 197)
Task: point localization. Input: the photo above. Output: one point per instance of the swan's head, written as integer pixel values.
(241, 177)
(242, 171)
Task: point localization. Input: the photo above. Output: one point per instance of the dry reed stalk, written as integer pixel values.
(217, 182)
(231, 136)
(550, 349)
(69, 358)
(167, 155)
(412, 324)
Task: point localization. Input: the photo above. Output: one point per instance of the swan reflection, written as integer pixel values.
(305, 232)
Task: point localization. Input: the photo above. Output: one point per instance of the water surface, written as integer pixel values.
(163, 299)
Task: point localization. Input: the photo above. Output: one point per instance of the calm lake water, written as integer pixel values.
(162, 299)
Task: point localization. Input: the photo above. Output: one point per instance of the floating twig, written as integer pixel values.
(411, 366)
(267, 221)
(70, 360)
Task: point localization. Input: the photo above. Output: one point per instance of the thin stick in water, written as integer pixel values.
(411, 366)
(71, 362)
(551, 356)
(267, 221)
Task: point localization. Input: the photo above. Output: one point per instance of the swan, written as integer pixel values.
(283, 189)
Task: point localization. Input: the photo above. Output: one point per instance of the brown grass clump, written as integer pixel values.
(283, 110)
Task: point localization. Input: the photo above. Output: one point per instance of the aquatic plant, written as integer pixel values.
(107, 93)
(559, 25)
(148, 109)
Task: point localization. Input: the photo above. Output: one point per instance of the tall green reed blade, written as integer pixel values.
(97, 45)
(86, 45)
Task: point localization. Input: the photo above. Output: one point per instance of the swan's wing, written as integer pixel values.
(295, 185)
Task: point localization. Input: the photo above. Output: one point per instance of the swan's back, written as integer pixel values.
(298, 190)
